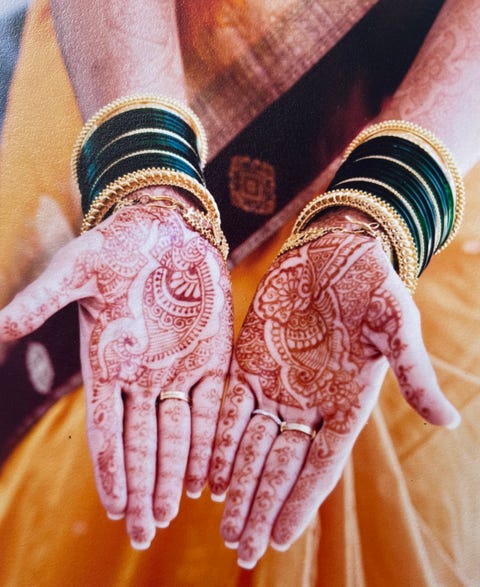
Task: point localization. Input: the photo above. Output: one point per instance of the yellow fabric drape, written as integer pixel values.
(406, 511)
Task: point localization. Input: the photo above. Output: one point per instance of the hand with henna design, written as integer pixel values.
(313, 351)
(155, 316)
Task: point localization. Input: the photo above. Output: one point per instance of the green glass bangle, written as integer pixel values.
(417, 158)
(416, 193)
(136, 162)
(400, 206)
(404, 183)
(134, 119)
(124, 145)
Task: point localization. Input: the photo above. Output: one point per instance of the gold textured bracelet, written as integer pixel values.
(420, 254)
(433, 146)
(202, 223)
(152, 176)
(133, 102)
(308, 235)
(388, 219)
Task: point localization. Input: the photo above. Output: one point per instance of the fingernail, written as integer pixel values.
(249, 565)
(218, 497)
(194, 494)
(115, 517)
(279, 547)
(455, 423)
(231, 545)
(140, 545)
(159, 524)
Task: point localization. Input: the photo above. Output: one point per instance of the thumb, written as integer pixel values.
(409, 360)
(66, 279)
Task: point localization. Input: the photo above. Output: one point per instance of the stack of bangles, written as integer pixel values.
(406, 181)
(144, 141)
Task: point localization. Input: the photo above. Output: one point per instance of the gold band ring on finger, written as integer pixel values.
(174, 394)
(297, 427)
(273, 417)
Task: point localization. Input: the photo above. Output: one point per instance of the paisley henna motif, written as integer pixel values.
(303, 336)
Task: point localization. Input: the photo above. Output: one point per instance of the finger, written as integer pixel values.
(105, 438)
(206, 399)
(283, 466)
(140, 442)
(322, 469)
(411, 364)
(173, 448)
(61, 283)
(234, 417)
(252, 454)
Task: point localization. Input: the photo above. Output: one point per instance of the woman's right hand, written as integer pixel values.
(155, 317)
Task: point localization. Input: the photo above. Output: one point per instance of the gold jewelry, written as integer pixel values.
(389, 220)
(174, 394)
(131, 182)
(433, 146)
(425, 186)
(297, 427)
(274, 417)
(202, 223)
(131, 103)
(308, 235)
(142, 152)
(400, 197)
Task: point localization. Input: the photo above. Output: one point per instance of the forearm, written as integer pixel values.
(440, 91)
(119, 47)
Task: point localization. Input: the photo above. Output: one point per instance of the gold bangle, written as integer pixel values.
(131, 182)
(131, 103)
(202, 223)
(295, 241)
(405, 203)
(434, 147)
(388, 219)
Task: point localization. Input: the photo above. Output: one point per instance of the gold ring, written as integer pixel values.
(287, 426)
(174, 394)
(273, 417)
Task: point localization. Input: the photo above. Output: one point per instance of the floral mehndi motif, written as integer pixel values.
(311, 353)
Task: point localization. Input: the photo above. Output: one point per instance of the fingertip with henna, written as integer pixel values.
(279, 547)
(140, 545)
(455, 422)
(162, 524)
(218, 497)
(248, 565)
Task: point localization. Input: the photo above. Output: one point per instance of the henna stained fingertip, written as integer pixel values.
(455, 423)
(140, 545)
(279, 547)
(248, 565)
(159, 524)
(218, 497)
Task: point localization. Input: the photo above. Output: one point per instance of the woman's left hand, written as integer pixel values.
(306, 374)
